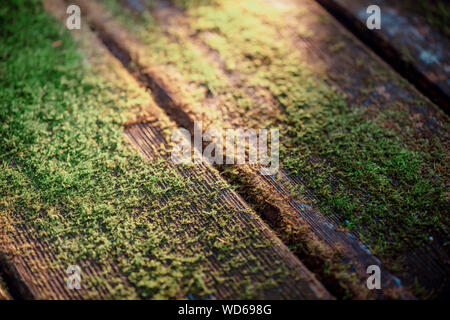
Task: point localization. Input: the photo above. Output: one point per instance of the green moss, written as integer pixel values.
(385, 186)
(67, 177)
(176, 52)
(366, 173)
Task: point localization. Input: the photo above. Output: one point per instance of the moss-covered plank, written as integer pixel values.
(168, 86)
(420, 127)
(239, 233)
(74, 192)
(361, 187)
(360, 153)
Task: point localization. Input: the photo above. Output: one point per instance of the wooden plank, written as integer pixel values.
(303, 285)
(166, 89)
(35, 274)
(368, 83)
(251, 263)
(417, 50)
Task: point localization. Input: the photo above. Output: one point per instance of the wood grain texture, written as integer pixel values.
(300, 282)
(416, 49)
(4, 295)
(371, 84)
(165, 88)
(367, 82)
(37, 273)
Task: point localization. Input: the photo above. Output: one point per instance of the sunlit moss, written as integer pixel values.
(376, 180)
(68, 177)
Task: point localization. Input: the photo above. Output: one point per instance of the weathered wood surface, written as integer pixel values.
(302, 284)
(406, 40)
(350, 66)
(165, 87)
(4, 295)
(37, 274)
(368, 84)
(33, 271)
